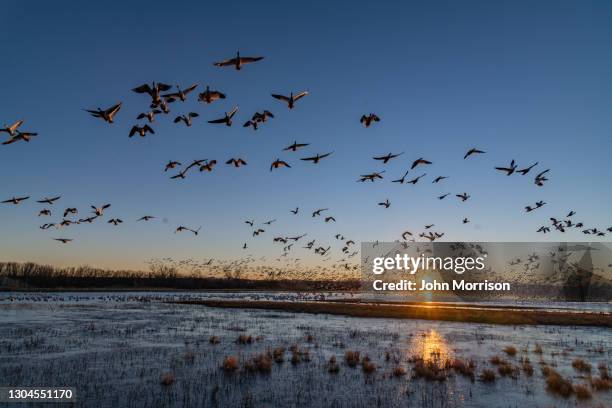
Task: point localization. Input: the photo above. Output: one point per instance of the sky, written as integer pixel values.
(520, 80)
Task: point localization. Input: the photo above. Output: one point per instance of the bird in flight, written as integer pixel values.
(15, 200)
(330, 219)
(318, 212)
(508, 170)
(237, 62)
(70, 211)
(208, 166)
(150, 115)
(269, 222)
(179, 175)
(209, 96)
(540, 179)
(471, 152)
(99, 211)
(115, 221)
(463, 196)
(153, 91)
(142, 131)
(400, 180)
(439, 179)
(295, 146)
(291, 99)
(419, 161)
(367, 120)
(371, 177)
(317, 158)
(227, 119)
(182, 228)
(187, 119)
(180, 94)
(25, 136)
(44, 211)
(385, 203)
(416, 179)
(465, 220)
(442, 197)
(49, 201)
(526, 169)
(236, 162)
(108, 115)
(171, 164)
(11, 130)
(295, 211)
(385, 159)
(146, 218)
(63, 240)
(279, 163)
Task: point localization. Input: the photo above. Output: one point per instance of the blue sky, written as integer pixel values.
(523, 80)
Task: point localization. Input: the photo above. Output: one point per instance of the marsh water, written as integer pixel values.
(115, 348)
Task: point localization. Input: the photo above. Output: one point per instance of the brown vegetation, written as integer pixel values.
(581, 366)
(230, 364)
(352, 358)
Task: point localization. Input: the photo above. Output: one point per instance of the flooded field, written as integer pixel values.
(130, 349)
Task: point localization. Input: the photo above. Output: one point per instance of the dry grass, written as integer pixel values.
(510, 350)
(582, 391)
(556, 384)
(487, 375)
(244, 339)
(279, 354)
(508, 370)
(230, 364)
(430, 370)
(332, 365)
(527, 367)
(352, 358)
(464, 368)
(581, 366)
(214, 340)
(167, 378)
(399, 371)
(367, 365)
(259, 363)
(537, 349)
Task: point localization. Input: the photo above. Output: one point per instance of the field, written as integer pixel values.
(135, 349)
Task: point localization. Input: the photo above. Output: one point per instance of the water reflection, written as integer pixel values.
(431, 347)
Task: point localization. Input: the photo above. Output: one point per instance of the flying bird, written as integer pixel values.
(367, 120)
(400, 180)
(11, 130)
(15, 200)
(236, 162)
(385, 203)
(49, 201)
(439, 179)
(508, 170)
(416, 179)
(25, 136)
(443, 196)
(317, 158)
(150, 115)
(526, 169)
(115, 221)
(291, 99)
(99, 211)
(142, 131)
(463, 196)
(295, 146)
(385, 159)
(187, 119)
(419, 161)
(471, 152)
(172, 164)
(237, 62)
(279, 163)
(146, 218)
(180, 94)
(208, 166)
(108, 115)
(153, 91)
(318, 212)
(294, 212)
(63, 240)
(227, 119)
(209, 96)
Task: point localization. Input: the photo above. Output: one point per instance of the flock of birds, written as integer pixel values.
(161, 96)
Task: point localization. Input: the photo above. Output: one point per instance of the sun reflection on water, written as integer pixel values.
(431, 347)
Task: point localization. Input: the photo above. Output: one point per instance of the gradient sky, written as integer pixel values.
(523, 80)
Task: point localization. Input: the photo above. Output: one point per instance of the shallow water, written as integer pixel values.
(114, 347)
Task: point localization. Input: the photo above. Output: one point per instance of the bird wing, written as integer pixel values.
(222, 120)
(113, 109)
(247, 60)
(133, 131)
(143, 89)
(233, 112)
(225, 63)
(280, 97)
(300, 95)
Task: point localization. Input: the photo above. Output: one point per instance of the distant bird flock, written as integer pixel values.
(161, 96)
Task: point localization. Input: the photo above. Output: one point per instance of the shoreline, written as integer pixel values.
(467, 314)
